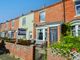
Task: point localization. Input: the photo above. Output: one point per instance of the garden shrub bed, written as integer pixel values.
(20, 41)
(24, 42)
(67, 45)
(8, 39)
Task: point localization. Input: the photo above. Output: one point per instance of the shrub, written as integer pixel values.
(66, 29)
(13, 40)
(67, 44)
(8, 39)
(24, 42)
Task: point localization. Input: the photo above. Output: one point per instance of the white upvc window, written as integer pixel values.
(24, 21)
(77, 7)
(30, 35)
(42, 34)
(42, 16)
(73, 31)
(76, 30)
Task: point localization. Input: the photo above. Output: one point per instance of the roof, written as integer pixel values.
(48, 6)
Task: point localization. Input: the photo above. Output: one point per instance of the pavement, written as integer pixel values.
(7, 57)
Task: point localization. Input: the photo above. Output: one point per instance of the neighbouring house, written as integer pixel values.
(2, 29)
(13, 26)
(48, 20)
(9, 28)
(26, 23)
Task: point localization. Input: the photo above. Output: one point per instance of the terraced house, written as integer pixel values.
(26, 22)
(9, 28)
(21, 27)
(45, 24)
(48, 20)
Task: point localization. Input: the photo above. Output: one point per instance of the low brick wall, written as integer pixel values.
(50, 56)
(23, 52)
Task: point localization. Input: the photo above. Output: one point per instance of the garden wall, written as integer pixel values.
(50, 56)
(20, 51)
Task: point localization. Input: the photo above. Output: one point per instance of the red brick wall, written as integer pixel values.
(16, 24)
(34, 32)
(9, 25)
(3, 27)
(55, 12)
(70, 10)
(23, 52)
(59, 32)
(50, 56)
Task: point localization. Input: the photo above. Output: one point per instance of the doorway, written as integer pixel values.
(53, 34)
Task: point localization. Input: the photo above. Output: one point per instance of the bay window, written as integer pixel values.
(73, 31)
(76, 30)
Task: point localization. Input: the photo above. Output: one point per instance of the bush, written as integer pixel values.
(8, 39)
(13, 40)
(65, 29)
(67, 44)
(24, 42)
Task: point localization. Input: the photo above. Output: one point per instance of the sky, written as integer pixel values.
(10, 9)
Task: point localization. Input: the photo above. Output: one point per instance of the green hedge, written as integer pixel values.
(20, 41)
(24, 42)
(66, 44)
(8, 39)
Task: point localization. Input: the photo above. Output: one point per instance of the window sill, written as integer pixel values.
(77, 15)
(42, 21)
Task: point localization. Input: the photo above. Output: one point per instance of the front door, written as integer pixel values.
(53, 34)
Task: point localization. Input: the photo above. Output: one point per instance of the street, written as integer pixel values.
(7, 57)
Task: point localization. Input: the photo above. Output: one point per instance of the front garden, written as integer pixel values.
(69, 46)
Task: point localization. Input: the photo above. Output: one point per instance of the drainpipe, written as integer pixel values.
(64, 11)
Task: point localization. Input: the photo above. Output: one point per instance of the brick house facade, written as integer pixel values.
(53, 16)
(9, 28)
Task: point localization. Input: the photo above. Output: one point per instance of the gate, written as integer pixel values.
(40, 53)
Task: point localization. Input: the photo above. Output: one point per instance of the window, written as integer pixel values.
(6, 25)
(45, 34)
(79, 30)
(77, 6)
(12, 34)
(42, 16)
(13, 23)
(73, 31)
(30, 35)
(40, 34)
(23, 21)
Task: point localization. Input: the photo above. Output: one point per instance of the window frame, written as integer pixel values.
(76, 9)
(40, 16)
(23, 19)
